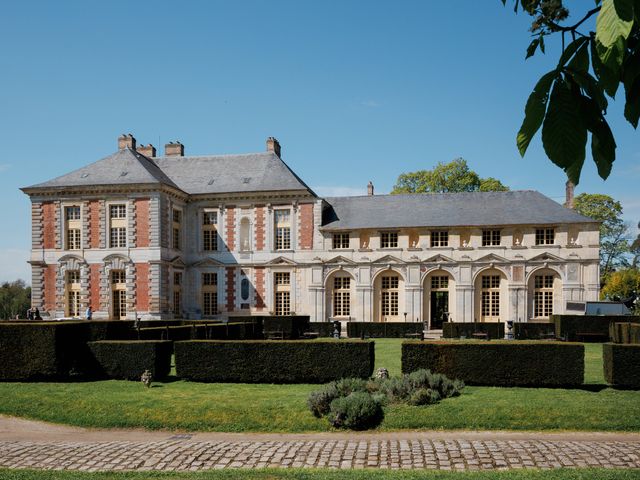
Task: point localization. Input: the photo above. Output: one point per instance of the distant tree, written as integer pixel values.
(455, 176)
(15, 299)
(569, 102)
(614, 232)
(623, 285)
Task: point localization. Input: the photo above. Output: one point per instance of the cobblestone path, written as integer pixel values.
(78, 449)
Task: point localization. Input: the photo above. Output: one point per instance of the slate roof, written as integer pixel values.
(126, 167)
(446, 210)
(253, 172)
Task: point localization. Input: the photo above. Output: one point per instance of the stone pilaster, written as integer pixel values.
(86, 224)
(58, 220)
(154, 222)
(37, 226)
(131, 225)
(37, 286)
(103, 224)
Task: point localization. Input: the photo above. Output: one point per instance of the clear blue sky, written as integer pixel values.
(354, 90)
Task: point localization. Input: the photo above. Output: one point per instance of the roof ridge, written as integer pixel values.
(171, 157)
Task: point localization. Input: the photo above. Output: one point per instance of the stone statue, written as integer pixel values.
(146, 378)
(382, 373)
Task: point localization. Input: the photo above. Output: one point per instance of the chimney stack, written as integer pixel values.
(147, 150)
(174, 149)
(569, 187)
(273, 146)
(126, 140)
(370, 189)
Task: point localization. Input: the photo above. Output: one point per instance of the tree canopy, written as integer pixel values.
(570, 102)
(614, 232)
(455, 176)
(622, 285)
(15, 299)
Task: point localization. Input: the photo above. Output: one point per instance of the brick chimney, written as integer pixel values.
(370, 189)
(174, 149)
(273, 146)
(126, 140)
(147, 150)
(569, 188)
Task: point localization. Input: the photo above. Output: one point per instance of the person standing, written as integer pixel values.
(36, 314)
(89, 313)
(29, 314)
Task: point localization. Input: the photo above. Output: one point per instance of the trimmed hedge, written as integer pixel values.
(507, 363)
(42, 350)
(324, 329)
(532, 330)
(621, 364)
(383, 329)
(466, 329)
(292, 326)
(596, 327)
(624, 332)
(128, 359)
(281, 361)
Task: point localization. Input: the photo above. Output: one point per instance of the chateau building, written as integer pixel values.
(175, 236)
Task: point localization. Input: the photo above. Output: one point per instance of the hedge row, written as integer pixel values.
(495, 330)
(621, 364)
(507, 364)
(383, 329)
(586, 328)
(323, 329)
(128, 359)
(532, 330)
(264, 361)
(625, 332)
(291, 326)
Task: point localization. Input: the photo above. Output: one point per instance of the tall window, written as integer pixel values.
(209, 293)
(543, 296)
(389, 296)
(177, 293)
(282, 220)
(439, 282)
(245, 235)
(545, 236)
(117, 226)
(341, 296)
(210, 231)
(440, 238)
(73, 293)
(490, 308)
(340, 241)
(388, 239)
(73, 227)
(282, 287)
(490, 238)
(177, 228)
(119, 294)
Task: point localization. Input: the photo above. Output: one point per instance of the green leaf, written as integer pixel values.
(570, 50)
(608, 77)
(632, 105)
(534, 111)
(591, 86)
(603, 145)
(531, 49)
(609, 26)
(580, 61)
(542, 43)
(564, 134)
(624, 9)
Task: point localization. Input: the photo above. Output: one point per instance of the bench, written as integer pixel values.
(274, 335)
(310, 335)
(480, 335)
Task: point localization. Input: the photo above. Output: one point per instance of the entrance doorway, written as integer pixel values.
(439, 309)
(119, 294)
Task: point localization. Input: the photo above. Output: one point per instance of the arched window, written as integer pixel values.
(73, 293)
(543, 296)
(341, 296)
(490, 301)
(389, 296)
(245, 235)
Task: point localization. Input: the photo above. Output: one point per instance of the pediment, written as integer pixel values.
(546, 257)
(281, 261)
(439, 258)
(177, 262)
(339, 260)
(390, 259)
(208, 262)
(492, 258)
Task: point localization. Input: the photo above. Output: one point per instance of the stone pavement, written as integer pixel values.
(37, 445)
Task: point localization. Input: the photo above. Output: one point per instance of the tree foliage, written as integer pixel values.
(15, 299)
(570, 102)
(614, 232)
(455, 176)
(622, 285)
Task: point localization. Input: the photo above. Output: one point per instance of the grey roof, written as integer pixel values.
(123, 167)
(446, 210)
(252, 172)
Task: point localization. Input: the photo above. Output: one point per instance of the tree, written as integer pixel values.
(623, 285)
(455, 176)
(15, 299)
(614, 232)
(569, 102)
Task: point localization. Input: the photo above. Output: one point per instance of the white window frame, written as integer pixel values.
(439, 238)
(287, 241)
(389, 239)
(545, 236)
(117, 222)
(491, 237)
(340, 241)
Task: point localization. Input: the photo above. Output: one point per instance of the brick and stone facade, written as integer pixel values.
(370, 258)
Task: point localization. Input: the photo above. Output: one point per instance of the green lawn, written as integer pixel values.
(275, 474)
(282, 408)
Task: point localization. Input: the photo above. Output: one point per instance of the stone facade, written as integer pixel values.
(274, 251)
